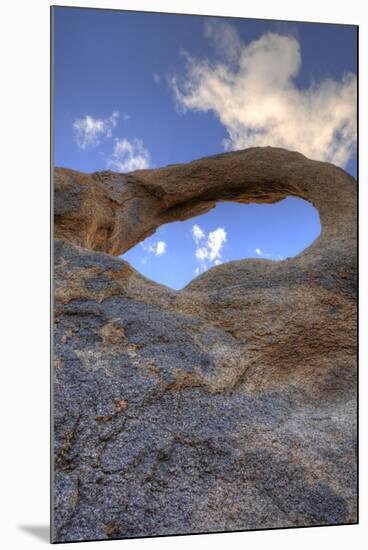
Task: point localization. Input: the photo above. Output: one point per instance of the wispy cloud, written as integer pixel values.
(129, 155)
(156, 78)
(208, 247)
(157, 248)
(215, 241)
(268, 256)
(160, 248)
(90, 132)
(197, 233)
(252, 90)
(224, 38)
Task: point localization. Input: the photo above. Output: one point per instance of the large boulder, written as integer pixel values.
(229, 405)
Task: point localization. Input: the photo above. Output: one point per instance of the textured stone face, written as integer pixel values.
(228, 405)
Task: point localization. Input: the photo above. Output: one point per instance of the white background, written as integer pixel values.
(24, 219)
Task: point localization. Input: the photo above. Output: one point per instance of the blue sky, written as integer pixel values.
(135, 90)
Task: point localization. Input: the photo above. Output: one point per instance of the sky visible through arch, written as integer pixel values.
(135, 90)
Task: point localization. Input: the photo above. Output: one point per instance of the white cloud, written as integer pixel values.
(201, 254)
(157, 248)
(160, 248)
(128, 156)
(215, 241)
(197, 233)
(252, 91)
(208, 247)
(156, 78)
(258, 251)
(89, 131)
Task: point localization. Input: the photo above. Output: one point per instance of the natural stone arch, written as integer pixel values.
(112, 212)
(248, 372)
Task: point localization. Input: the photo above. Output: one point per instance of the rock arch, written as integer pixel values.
(260, 356)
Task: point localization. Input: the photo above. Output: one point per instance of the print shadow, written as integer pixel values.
(41, 532)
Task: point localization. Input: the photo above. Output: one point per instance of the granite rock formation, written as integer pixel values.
(229, 405)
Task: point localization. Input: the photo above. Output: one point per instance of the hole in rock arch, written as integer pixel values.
(180, 251)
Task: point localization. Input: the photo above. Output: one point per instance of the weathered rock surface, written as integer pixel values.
(228, 405)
